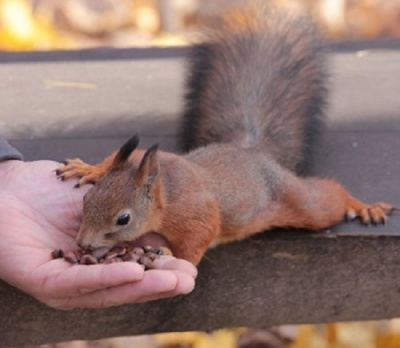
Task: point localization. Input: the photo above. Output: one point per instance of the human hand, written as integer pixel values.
(40, 213)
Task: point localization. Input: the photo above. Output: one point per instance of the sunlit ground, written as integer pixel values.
(382, 334)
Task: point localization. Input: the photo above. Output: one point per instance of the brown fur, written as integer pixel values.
(214, 195)
(259, 79)
(251, 102)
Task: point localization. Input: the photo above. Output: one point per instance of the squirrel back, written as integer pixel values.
(258, 81)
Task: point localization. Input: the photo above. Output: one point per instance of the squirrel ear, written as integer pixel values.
(125, 151)
(149, 167)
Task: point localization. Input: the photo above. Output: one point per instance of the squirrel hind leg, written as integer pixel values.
(76, 168)
(376, 213)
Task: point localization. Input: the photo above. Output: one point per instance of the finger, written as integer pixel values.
(185, 286)
(154, 285)
(73, 280)
(171, 263)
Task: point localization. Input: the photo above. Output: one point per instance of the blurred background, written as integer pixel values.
(74, 24)
(82, 24)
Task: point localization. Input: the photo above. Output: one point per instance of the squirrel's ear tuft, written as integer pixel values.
(149, 167)
(125, 151)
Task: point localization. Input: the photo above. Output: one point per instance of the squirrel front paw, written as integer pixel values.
(76, 168)
(376, 213)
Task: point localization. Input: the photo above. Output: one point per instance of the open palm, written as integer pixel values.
(39, 213)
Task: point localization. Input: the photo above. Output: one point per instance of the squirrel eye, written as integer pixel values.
(123, 219)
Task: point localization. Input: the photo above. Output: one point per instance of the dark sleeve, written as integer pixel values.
(8, 152)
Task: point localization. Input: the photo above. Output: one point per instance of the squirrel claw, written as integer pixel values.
(375, 214)
(351, 214)
(76, 168)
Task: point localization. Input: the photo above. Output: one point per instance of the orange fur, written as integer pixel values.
(255, 97)
(219, 194)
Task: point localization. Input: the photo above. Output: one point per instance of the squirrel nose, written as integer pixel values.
(84, 245)
(83, 241)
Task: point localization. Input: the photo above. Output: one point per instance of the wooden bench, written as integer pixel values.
(64, 104)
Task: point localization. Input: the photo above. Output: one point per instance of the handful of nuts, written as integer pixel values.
(145, 256)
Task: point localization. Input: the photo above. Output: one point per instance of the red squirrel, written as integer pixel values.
(255, 99)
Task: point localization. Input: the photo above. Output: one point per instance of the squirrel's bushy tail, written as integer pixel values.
(259, 81)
